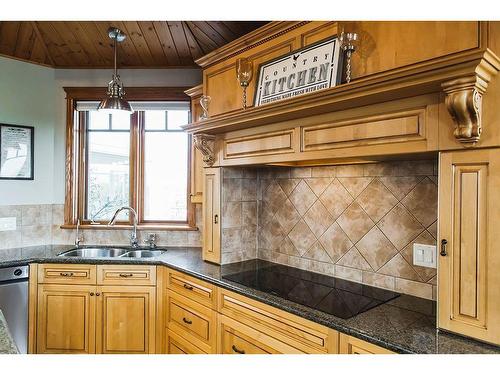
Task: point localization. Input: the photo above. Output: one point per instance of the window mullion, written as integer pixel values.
(134, 162)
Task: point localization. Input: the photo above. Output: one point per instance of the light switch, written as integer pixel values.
(424, 255)
(7, 223)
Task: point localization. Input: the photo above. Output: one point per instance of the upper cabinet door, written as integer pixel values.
(211, 215)
(66, 319)
(469, 264)
(126, 320)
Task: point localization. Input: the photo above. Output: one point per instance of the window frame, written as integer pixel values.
(76, 140)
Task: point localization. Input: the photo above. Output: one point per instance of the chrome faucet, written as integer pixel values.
(78, 238)
(133, 236)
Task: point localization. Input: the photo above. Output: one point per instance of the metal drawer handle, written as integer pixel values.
(188, 287)
(187, 321)
(66, 274)
(126, 274)
(236, 350)
(443, 248)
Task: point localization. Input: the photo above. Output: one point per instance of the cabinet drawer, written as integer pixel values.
(304, 335)
(126, 275)
(237, 338)
(83, 274)
(191, 320)
(176, 344)
(352, 345)
(192, 288)
(280, 142)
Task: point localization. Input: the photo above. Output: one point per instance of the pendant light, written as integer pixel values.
(115, 100)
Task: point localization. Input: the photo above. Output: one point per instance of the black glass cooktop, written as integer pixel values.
(331, 295)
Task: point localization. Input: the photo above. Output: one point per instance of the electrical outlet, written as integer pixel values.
(7, 223)
(424, 255)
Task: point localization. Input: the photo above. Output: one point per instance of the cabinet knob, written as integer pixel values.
(443, 248)
(91, 294)
(98, 294)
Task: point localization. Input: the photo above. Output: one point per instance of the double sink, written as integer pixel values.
(110, 252)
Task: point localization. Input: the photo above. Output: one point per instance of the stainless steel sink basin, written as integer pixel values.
(95, 252)
(142, 253)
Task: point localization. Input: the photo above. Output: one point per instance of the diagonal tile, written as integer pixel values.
(318, 218)
(400, 186)
(376, 248)
(287, 247)
(400, 226)
(335, 242)
(399, 267)
(271, 235)
(302, 197)
(302, 237)
(318, 185)
(264, 213)
(288, 184)
(425, 273)
(336, 198)
(274, 196)
(354, 259)
(287, 216)
(376, 200)
(355, 185)
(355, 222)
(432, 229)
(422, 202)
(316, 252)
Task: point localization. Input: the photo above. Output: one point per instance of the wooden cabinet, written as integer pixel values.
(352, 345)
(469, 213)
(192, 288)
(192, 321)
(66, 319)
(196, 159)
(125, 320)
(176, 344)
(295, 335)
(110, 314)
(212, 215)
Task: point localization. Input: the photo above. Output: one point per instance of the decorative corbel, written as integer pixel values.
(464, 97)
(206, 144)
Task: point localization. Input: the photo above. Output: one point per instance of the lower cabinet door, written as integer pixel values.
(66, 319)
(126, 319)
(238, 338)
(352, 345)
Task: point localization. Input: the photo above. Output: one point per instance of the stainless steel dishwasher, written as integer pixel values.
(14, 303)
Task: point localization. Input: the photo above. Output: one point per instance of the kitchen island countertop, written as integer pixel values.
(7, 345)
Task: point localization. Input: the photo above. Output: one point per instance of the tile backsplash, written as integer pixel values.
(356, 222)
(40, 225)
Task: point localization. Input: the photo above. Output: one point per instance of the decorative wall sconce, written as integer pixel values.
(204, 102)
(244, 72)
(349, 44)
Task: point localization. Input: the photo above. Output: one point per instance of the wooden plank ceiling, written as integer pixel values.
(149, 44)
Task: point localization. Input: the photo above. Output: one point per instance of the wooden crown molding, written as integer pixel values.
(418, 79)
(206, 144)
(194, 91)
(464, 97)
(259, 36)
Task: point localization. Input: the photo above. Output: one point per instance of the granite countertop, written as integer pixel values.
(7, 345)
(405, 324)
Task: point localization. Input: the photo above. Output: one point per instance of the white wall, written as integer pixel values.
(27, 98)
(34, 95)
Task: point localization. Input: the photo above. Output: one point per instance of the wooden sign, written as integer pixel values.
(309, 69)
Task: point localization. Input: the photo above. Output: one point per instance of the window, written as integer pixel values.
(139, 160)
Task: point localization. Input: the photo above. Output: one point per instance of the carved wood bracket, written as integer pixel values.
(464, 97)
(206, 144)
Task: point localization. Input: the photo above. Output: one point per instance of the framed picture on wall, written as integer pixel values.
(16, 152)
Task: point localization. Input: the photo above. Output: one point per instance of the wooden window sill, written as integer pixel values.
(166, 227)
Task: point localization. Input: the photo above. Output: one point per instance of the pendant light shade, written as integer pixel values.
(114, 100)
